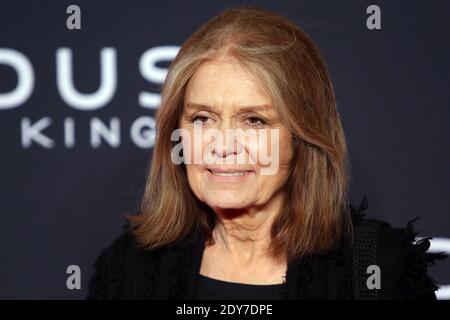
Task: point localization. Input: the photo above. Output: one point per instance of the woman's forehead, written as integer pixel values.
(224, 85)
(219, 79)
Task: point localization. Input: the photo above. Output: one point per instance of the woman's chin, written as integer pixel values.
(228, 203)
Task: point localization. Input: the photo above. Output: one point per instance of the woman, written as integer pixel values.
(219, 220)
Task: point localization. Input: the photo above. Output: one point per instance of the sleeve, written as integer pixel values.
(108, 278)
(412, 280)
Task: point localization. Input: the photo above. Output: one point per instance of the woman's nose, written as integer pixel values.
(227, 142)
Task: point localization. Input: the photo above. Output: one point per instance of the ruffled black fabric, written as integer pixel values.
(413, 279)
(358, 212)
(125, 271)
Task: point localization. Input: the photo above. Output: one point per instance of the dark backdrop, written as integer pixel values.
(61, 202)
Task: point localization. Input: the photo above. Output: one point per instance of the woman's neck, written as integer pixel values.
(245, 234)
(241, 250)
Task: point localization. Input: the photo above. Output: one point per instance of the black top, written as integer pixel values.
(214, 289)
(124, 270)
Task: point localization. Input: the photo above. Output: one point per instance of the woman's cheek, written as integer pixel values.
(195, 180)
(253, 151)
(267, 151)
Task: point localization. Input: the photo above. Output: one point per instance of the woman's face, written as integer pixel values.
(220, 97)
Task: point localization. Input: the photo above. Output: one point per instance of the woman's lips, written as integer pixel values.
(228, 174)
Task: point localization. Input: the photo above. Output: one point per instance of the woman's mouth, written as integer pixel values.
(228, 173)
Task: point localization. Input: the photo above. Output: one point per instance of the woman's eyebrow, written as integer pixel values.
(262, 107)
(200, 106)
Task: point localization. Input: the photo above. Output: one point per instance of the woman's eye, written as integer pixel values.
(255, 121)
(200, 119)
